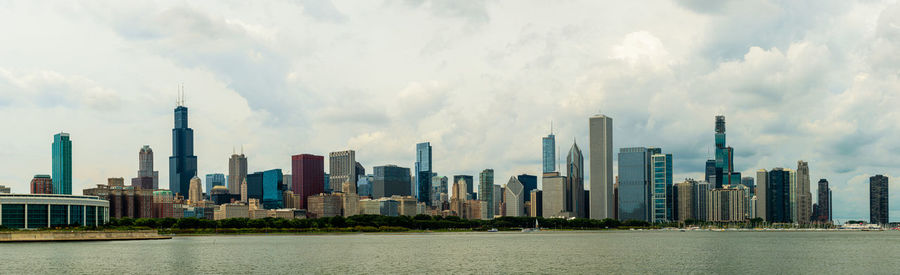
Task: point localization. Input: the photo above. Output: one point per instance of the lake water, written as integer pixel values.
(622, 252)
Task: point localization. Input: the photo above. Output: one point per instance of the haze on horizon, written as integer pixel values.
(480, 80)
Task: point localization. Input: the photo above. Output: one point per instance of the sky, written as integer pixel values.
(813, 80)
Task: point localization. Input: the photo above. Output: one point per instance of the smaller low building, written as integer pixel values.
(32, 211)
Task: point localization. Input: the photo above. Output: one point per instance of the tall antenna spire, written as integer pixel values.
(242, 149)
(551, 127)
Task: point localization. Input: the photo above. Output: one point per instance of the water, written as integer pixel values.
(621, 252)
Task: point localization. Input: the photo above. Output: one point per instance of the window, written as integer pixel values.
(59, 215)
(76, 215)
(37, 215)
(91, 219)
(13, 215)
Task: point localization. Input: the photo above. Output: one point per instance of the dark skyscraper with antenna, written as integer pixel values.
(182, 163)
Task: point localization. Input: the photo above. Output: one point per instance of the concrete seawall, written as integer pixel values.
(63, 236)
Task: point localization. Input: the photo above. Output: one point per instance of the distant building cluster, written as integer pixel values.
(643, 188)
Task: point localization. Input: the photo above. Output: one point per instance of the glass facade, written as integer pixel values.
(423, 172)
(486, 192)
(529, 183)
(273, 185)
(59, 215)
(663, 201)
(37, 215)
(255, 186)
(76, 215)
(90, 216)
(62, 164)
(213, 180)
(634, 185)
(391, 180)
(182, 163)
(549, 153)
(13, 215)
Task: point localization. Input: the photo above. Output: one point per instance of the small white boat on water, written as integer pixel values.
(537, 228)
(493, 230)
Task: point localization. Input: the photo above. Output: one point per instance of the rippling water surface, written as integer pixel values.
(623, 252)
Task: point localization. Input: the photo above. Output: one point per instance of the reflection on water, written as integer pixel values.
(545, 252)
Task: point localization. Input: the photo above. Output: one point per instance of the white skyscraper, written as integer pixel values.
(600, 143)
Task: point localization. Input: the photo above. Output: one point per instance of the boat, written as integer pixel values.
(537, 228)
(493, 230)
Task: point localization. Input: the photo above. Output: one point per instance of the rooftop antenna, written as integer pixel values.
(242, 149)
(551, 127)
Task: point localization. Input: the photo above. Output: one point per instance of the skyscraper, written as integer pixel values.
(182, 163)
(342, 168)
(237, 172)
(515, 198)
(549, 151)
(62, 164)
(213, 180)
(554, 196)
(662, 208)
(823, 214)
(272, 188)
(773, 201)
(486, 193)
(423, 172)
(803, 194)
(529, 183)
(439, 185)
(309, 177)
(634, 184)
(145, 166)
(878, 200)
(470, 184)
(391, 180)
(195, 191)
(723, 172)
(601, 139)
(575, 181)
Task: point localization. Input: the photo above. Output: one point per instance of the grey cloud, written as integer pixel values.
(322, 10)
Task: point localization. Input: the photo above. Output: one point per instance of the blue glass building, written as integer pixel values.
(213, 180)
(272, 188)
(661, 177)
(529, 183)
(62, 164)
(423, 172)
(390, 180)
(255, 186)
(634, 183)
(778, 196)
(470, 184)
(549, 153)
(182, 163)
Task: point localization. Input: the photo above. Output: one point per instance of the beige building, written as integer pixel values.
(686, 200)
(324, 205)
(350, 203)
(408, 205)
(369, 207)
(195, 191)
(728, 204)
(803, 196)
(232, 210)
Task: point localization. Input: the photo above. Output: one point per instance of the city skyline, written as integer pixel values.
(844, 134)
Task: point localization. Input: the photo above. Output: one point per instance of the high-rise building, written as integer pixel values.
(554, 196)
(662, 206)
(549, 151)
(127, 202)
(364, 185)
(601, 151)
(183, 162)
(774, 195)
(41, 184)
(634, 184)
(254, 190)
(391, 180)
(878, 200)
(342, 168)
(486, 193)
(237, 172)
(62, 164)
(748, 181)
(213, 180)
(195, 191)
(438, 187)
(823, 213)
(728, 204)
(497, 192)
(423, 172)
(458, 198)
(286, 180)
(529, 182)
(686, 200)
(309, 177)
(273, 188)
(145, 167)
(470, 184)
(515, 198)
(723, 172)
(575, 181)
(803, 195)
(536, 202)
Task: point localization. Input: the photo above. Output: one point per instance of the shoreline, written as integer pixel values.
(79, 236)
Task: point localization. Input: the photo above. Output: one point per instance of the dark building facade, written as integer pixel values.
(470, 182)
(124, 202)
(423, 172)
(823, 206)
(182, 163)
(391, 180)
(255, 186)
(878, 199)
(308, 177)
(529, 182)
(778, 196)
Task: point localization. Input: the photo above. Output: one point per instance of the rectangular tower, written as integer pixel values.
(62, 164)
(878, 199)
(308, 173)
(423, 172)
(600, 143)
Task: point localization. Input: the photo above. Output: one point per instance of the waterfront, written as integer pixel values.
(546, 252)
